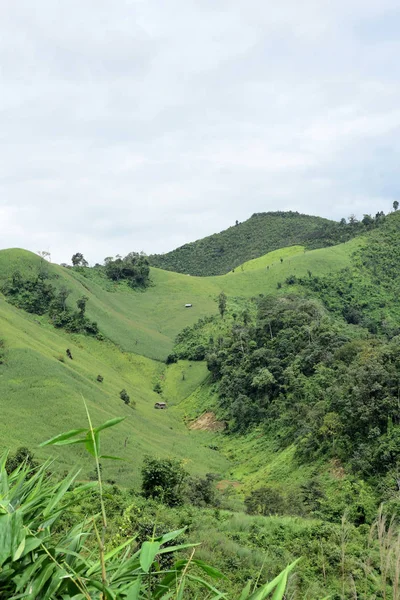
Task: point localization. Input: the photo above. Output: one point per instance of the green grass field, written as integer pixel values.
(41, 389)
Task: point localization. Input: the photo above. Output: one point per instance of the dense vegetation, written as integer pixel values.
(367, 293)
(327, 387)
(43, 556)
(38, 296)
(263, 232)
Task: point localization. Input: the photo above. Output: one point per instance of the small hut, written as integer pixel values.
(160, 405)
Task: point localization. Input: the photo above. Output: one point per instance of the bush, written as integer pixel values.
(264, 501)
(125, 396)
(201, 491)
(163, 480)
(157, 388)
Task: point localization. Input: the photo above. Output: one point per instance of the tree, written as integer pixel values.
(134, 268)
(163, 479)
(264, 501)
(202, 490)
(395, 205)
(81, 304)
(22, 456)
(78, 260)
(222, 304)
(368, 221)
(125, 396)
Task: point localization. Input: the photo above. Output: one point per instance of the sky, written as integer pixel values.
(142, 125)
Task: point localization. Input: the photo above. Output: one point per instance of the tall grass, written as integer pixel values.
(37, 562)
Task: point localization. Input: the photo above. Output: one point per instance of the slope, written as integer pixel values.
(41, 389)
(41, 395)
(263, 232)
(147, 322)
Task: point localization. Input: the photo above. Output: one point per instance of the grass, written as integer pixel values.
(41, 394)
(41, 389)
(147, 322)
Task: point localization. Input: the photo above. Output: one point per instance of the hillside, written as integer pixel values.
(41, 387)
(262, 233)
(301, 371)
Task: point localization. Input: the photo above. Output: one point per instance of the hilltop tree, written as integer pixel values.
(78, 260)
(134, 268)
(395, 205)
(222, 304)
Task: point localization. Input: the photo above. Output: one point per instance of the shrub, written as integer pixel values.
(264, 501)
(157, 388)
(125, 396)
(163, 480)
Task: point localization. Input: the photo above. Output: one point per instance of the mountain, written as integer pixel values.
(41, 388)
(262, 233)
(289, 397)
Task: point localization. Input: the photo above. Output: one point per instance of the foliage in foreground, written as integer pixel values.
(40, 562)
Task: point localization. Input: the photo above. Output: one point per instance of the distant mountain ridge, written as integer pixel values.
(219, 253)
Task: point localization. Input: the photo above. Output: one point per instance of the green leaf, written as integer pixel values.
(62, 490)
(169, 549)
(111, 457)
(132, 593)
(208, 586)
(89, 443)
(181, 590)
(211, 571)
(109, 555)
(19, 550)
(171, 535)
(11, 534)
(147, 554)
(267, 588)
(109, 423)
(62, 437)
(281, 587)
(246, 591)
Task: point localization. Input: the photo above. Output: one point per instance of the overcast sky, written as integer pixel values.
(141, 125)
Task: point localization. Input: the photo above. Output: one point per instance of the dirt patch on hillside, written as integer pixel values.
(336, 470)
(227, 483)
(208, 422)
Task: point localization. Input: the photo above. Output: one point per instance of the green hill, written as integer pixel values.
(262, 233)
(302, 372)
(41, 388)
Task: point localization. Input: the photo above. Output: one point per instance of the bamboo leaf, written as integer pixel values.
(109, 423)
(211, 571)
(267, 588)
(171, 535)
(110, 554)
(281, 587)
(62, 490)
(246, 591)
(62, 437)
(89, 444)
(147, 554)
(19, 550)
(109, 457)
(132, 593)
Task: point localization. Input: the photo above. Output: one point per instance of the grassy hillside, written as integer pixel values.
(262, 233)
(147, 322)
(41, 393)
(41, 389)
